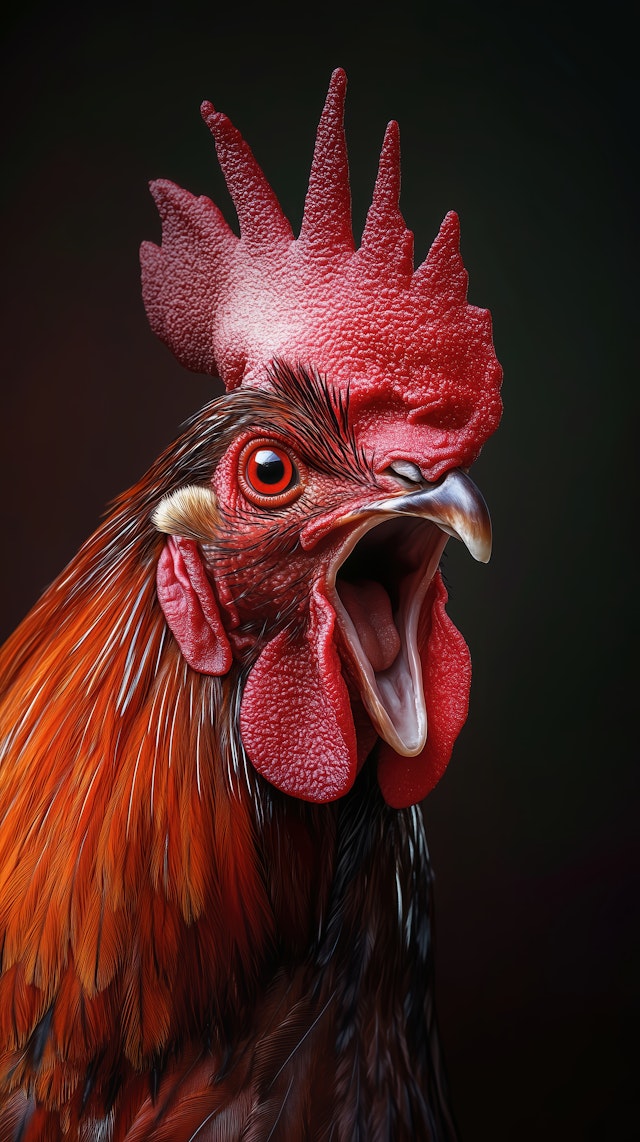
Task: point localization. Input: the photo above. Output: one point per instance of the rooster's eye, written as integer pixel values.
(268, 475)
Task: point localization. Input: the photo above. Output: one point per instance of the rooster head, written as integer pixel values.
(359, 393)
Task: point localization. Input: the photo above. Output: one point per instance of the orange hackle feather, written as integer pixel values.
(184, 949)
(131, 896)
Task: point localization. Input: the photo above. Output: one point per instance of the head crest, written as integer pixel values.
(231, 305)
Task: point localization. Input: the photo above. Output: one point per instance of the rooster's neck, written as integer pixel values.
(152, 884)
(133, 906)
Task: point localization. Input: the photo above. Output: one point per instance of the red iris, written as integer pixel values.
(268, 475)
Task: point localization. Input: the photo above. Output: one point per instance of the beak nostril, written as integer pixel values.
(408, 470)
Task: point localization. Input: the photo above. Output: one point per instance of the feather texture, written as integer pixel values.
(187, 952)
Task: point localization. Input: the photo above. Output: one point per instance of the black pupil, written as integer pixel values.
(269, 466)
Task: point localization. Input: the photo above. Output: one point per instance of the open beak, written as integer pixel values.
(377, 584)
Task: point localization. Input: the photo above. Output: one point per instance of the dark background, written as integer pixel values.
(524, 122)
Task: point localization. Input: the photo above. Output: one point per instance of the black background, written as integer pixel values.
(524, 122)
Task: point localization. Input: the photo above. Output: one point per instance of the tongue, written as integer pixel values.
(369, 608)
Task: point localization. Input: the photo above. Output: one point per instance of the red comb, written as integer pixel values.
(404, 341)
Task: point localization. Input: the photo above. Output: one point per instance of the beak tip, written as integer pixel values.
(482, 549)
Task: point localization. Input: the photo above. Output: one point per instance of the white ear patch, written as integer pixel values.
(191, 512)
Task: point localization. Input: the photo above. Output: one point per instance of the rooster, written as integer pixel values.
(218, 723)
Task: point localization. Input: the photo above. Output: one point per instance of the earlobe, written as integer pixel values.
(190, 608)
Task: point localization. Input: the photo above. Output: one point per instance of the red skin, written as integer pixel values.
(297, 719)
(422, 379)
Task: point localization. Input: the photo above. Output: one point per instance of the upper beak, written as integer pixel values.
(454, 503)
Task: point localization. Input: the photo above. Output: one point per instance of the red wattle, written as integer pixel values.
(295, 718)
(446, 670)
